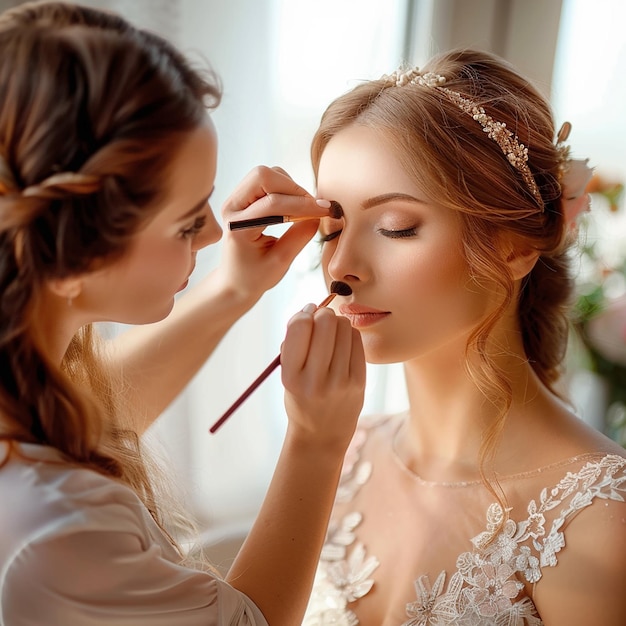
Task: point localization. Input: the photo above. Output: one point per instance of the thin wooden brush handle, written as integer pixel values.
(260, 378)
(244, 396)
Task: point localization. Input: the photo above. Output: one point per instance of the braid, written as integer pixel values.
(62, 185)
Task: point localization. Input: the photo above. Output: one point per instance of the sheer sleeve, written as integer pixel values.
(109, 578)
(83, 550)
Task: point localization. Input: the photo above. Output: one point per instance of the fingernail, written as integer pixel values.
(324, 204)
(309, 308)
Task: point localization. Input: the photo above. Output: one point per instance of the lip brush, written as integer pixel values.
(337, 288)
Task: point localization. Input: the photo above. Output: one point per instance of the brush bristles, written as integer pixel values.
(336, 210)
(340, 288)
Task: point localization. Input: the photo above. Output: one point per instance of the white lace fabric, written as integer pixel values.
(490, 572)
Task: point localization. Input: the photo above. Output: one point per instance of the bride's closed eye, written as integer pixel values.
(399, 234)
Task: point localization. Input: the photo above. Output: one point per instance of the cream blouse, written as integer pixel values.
(77, 548)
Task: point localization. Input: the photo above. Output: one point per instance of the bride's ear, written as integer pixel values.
(66, 288)
(521, 258)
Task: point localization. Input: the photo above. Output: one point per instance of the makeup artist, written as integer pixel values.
(107, 164)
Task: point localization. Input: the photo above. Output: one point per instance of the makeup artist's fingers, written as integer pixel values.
(348, 340)
(330, 335)
(254, 266)
(259, 182)
(324, 383)
(277, 204)
(323, 339)
(310, 342)
(269, 191)
(253, 261)
(295, 347)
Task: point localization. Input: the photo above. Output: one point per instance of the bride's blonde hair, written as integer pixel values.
(459, 165)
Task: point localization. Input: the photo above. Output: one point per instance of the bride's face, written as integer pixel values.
(401, 254)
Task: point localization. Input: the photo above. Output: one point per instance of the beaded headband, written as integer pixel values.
(515, 152)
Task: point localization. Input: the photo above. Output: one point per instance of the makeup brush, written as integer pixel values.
(335, 211)
(337, 288)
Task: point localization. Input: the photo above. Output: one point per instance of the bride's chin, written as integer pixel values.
(382, 356)
(151, 317)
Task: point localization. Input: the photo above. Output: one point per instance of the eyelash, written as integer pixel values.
(194, 229)
(391, 234)
(399, 234)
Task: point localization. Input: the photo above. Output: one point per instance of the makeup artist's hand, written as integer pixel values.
(252, 260)
(323, 371)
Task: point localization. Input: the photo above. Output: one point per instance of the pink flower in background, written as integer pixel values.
(575, 207)
(576, 178)
(575, 199)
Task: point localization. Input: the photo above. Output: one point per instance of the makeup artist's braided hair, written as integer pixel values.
(458, 164)
(92, 110)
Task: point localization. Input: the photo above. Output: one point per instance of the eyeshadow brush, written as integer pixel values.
(337, 288)
(335, 211)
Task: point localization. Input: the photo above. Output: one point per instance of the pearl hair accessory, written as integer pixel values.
(515, 151)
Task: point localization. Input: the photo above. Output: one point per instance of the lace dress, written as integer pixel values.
(456, 567)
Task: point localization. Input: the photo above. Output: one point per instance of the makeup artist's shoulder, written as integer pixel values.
(48, 494)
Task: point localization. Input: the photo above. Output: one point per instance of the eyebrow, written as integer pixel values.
(197, 208)
(389, 197)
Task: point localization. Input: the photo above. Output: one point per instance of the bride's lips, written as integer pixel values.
(184, 285)
(362, 316)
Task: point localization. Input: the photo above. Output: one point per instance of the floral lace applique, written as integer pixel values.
(340, 580)
(485, 583)
(483, 589)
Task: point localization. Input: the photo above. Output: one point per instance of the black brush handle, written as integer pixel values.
(257, 221)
